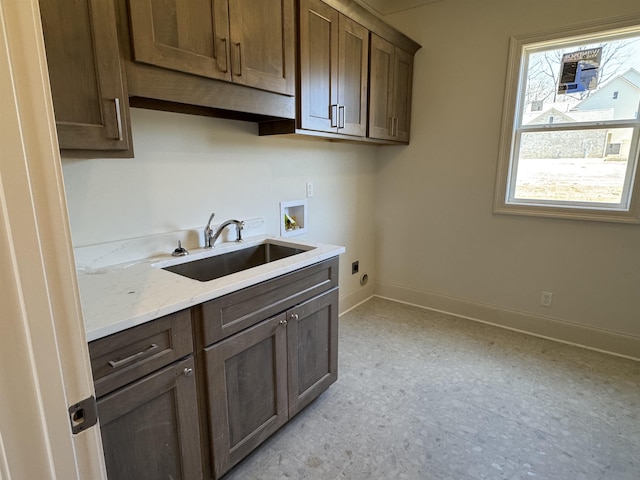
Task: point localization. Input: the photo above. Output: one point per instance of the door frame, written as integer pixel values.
(44, 359)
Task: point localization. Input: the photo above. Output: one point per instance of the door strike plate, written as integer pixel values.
(83, 415)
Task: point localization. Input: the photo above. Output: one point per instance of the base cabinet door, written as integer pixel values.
(247, 384)
(312, 337)
(150, 428)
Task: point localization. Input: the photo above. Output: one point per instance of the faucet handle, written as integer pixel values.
(208, 233)
(239, 227)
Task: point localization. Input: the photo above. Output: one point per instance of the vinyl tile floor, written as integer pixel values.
(424, 395)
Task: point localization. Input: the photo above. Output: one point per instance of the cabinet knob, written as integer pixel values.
(187, 372)
(283, 323)
(294, 316)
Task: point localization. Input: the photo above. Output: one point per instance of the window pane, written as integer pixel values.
(584, 83)
(574, 165)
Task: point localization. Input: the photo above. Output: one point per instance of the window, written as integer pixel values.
(567, 149)
(613, 148)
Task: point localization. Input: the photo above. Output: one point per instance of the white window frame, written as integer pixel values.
(504, 201)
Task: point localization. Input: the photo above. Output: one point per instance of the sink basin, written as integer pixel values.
(217, 266)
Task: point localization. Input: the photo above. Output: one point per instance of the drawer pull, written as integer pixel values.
(131, 358)
(188, 372)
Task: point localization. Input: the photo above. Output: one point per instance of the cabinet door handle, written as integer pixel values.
(333, 116)
(188, 372)
(294, 316)
(238, 64)
(131, 358)
(341, 115)
(283, 323)
(224, 67)
(395, 127)
(118, 118)
(390, 125)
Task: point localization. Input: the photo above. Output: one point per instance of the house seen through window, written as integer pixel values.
(571, 135)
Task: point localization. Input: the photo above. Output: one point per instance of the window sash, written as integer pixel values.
(628, 184)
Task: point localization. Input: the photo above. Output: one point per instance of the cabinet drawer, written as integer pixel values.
(123, 357)
(232, 313)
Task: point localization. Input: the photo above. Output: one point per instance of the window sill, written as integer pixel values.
(631, 216)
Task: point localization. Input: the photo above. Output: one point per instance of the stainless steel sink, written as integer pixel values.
(217, 266)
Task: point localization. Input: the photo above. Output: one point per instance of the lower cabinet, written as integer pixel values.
(262, 376)
(178, 405)
(150, 428)
(145, 382)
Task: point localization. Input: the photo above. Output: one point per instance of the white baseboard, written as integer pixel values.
(352, 300)
(606, 341)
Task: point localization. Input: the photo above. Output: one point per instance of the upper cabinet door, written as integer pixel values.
(187, 36)
(334, 56)
(381, 104)
(89, 96)
(262, 44)
(402, 86)
(318, 66)
(353, 72)
(390, 85)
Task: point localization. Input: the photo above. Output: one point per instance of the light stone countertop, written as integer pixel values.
(118, 297)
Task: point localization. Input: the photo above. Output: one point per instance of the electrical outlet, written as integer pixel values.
(309, 189)
(546, 298)
(355, 267)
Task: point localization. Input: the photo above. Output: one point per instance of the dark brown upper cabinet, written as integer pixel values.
(87, 85)
(241, 41)
(355, 76)
(391, 85)
(334, 55)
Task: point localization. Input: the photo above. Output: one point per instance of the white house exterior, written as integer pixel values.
(622, 94)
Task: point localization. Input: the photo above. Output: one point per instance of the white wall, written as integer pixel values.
(456, 253)
(187, 166)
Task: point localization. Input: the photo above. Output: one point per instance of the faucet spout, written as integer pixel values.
(211, 237)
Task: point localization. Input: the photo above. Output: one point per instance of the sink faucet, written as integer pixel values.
(210, 236)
